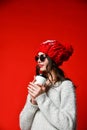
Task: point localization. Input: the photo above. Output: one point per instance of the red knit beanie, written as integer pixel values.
(57, 51)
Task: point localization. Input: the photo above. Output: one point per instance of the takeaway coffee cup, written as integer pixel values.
(40, 79)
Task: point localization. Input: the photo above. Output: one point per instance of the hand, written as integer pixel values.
(35, 90)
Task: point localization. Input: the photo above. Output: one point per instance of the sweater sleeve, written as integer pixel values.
(64, 116)
(27, 115)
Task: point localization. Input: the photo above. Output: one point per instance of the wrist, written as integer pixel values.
(33, 102)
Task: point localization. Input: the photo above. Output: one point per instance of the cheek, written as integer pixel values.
(46, 62)
(43, 68)
(45, 65)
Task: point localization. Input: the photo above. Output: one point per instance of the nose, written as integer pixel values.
(39, 61)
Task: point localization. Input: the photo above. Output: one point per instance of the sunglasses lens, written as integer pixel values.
(36, 58)
(41, 57)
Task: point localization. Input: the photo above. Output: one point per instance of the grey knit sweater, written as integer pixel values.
(55, 110)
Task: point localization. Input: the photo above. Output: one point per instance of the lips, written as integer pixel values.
(40, 65)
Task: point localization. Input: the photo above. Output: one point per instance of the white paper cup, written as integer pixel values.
(40, 80)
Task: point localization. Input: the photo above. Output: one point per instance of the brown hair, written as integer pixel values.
(52, 66)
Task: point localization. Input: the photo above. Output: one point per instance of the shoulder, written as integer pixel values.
(67, 83)
(64, 85)
(67, 86)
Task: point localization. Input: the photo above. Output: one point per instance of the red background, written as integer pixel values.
(23, 25)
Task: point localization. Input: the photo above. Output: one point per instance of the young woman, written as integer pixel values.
(51, 106)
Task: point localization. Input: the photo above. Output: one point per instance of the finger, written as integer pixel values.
(32, 87)
(43, 87)
(34, 79)
(32, 93)
(31, 90)
(35, 85)
(31, 83)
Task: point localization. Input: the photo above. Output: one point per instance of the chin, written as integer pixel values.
(42, 69)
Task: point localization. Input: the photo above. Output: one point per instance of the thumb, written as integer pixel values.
(34, 79)
(43, 88)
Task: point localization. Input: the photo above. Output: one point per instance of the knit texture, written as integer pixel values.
(55, 110)
(57, 51)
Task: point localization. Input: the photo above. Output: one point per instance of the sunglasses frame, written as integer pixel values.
(41, 57)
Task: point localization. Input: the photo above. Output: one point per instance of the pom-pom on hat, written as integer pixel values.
(57, 51)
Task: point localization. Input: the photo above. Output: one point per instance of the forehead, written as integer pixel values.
(40, 53)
